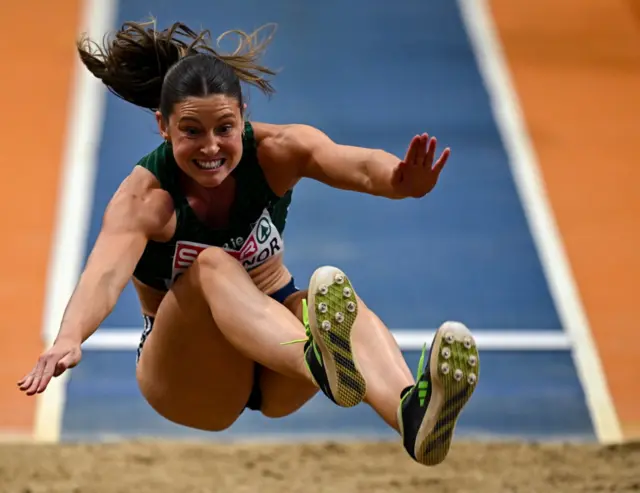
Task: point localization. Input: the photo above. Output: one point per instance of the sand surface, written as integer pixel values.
(182, 467)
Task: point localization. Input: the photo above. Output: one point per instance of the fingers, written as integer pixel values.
(39, 378)
(422, 150)
(32, 380)
(437, 168)
(430, 151)
(52, 363)
(421, 153)
(26, 382)
(47, 375)
(413, 151)
(429, 154)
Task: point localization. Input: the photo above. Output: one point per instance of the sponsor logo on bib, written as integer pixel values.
(264, 241)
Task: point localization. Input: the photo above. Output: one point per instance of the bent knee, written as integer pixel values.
(214, 257)
(280, 406)
(185, 412)
(184, 415)
(281, 411)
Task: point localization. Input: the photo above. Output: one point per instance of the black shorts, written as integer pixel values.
(255, 398)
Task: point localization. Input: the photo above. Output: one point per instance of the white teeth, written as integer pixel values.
(210, 164)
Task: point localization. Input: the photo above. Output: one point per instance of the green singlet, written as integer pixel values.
(256, 225)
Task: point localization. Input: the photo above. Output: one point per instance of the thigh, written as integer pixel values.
(187, 371)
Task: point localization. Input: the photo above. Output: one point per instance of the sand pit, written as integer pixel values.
(177, 467)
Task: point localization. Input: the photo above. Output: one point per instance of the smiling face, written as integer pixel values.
(206, 136)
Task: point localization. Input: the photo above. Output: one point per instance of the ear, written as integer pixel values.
(243, 115)
(162, 127)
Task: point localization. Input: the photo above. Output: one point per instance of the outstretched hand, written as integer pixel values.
(52, 363)
(416, 175)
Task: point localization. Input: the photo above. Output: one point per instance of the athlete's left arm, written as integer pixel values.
(373, 171)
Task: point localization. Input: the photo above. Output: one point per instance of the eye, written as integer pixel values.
(224, 129)
(191, 131)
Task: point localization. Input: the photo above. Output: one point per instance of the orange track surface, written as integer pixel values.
(37, 53)
(576, 67)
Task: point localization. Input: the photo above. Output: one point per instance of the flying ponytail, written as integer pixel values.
(134, 63)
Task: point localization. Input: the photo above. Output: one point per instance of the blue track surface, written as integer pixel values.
(373, 75)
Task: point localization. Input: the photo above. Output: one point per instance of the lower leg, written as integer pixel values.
(425, 411)
(382, 365)
(375, 352)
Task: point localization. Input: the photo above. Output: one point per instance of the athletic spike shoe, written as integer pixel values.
(429, 409)
(328, 352)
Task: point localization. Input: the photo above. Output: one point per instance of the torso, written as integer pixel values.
(245, 216)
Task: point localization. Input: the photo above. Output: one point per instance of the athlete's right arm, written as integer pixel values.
(138, 210)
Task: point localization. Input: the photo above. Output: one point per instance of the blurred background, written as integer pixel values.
(531, 238)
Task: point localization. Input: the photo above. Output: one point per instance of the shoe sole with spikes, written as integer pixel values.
(454, 367)
(333, 308)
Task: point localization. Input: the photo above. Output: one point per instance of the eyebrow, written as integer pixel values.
(189, 118)
(224, 116)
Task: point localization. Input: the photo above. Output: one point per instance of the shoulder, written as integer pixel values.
(141, 200)
(293, 139)
(284, 151)
(155, 156)
(160, 163)
(140, 182)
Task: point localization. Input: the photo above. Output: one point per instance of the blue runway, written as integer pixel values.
(373, 75)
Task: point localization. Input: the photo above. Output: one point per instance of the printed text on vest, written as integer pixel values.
(264, 241)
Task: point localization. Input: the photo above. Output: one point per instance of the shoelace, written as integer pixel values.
(305, 322)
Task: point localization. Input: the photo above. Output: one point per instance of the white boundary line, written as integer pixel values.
(74, 199)
(494, 69)
(126, 339)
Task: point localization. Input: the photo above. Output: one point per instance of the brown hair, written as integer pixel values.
(156, 69)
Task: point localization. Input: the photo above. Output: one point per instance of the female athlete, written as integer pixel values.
(197, 226)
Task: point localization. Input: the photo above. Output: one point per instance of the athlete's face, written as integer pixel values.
(206, 135)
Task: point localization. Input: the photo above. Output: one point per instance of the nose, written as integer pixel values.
(210, 146)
